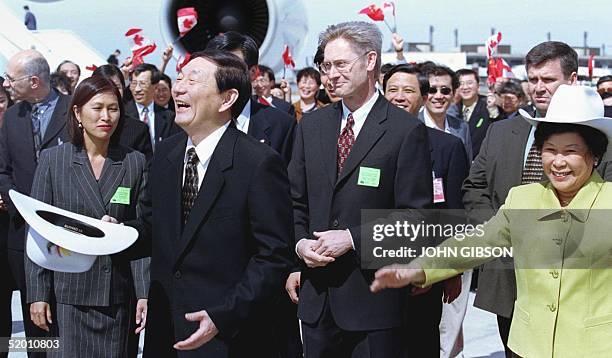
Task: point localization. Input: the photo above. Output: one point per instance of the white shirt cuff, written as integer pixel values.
(296, 247)
(351, 236)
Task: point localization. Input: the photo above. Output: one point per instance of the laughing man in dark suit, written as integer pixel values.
(221, 244)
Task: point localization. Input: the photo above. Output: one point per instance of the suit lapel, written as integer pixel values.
(368, 136)
(328, 136)
(259, 127)
(171, 186)
(221, 160)
(83, 175)
(112, 175)
(58, 120)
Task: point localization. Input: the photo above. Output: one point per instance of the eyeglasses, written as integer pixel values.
(444, 90)
(342, 66)
(467, 83)
(13, 80)
(142, 84)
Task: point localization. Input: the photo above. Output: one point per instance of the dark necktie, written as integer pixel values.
(532, 172)
(36, 130)
(145, 115)
(466, 114)
(190, 186)
(345, 142)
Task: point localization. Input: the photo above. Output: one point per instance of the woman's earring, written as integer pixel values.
(80, 126)
(596, 161)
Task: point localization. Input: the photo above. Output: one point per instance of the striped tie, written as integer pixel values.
(532, 172)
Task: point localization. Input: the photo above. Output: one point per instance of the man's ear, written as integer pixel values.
(228, 98)
(371, 58)
(35, 82)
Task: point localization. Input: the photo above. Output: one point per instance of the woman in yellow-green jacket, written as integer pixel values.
(560, 232)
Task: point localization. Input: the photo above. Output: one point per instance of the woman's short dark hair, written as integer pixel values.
(84, 92)
(596, 141)
(110, 71)
(60, 81)
(309, 72)
(8, 95)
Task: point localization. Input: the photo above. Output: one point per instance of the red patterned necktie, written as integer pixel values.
(145, 115)
(345, 142)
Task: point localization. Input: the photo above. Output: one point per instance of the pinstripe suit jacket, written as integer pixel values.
(64, 178)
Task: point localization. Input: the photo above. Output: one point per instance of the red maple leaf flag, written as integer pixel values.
(182, 61)
(492, 43)
(388, 7)
(139, 45)
(187, 18)
(91, 67)
(374, 12)
(287, 58)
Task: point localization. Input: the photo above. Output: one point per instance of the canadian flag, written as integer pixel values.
(139, 45)
(388, 7)
(187, 18)
(374, 12)
(492, 43)
(287, 58)
(182, 61)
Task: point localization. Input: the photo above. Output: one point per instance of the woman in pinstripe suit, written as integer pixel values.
(91, 311)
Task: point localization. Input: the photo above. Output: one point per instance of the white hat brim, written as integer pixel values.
(603, 124)
(47, 255)
(81, 234)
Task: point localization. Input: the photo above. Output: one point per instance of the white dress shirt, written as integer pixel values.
(429, 122)
(204, 150)
(243, 120)
(151, 117)
(360, 115)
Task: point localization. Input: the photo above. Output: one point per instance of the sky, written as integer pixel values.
(523, 23)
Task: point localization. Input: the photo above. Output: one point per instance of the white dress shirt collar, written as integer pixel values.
(204, 150)
(243, 120)
(359, 115)
(429, 122)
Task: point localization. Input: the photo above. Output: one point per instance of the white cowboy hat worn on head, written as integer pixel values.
(60, 240)
(576, 105)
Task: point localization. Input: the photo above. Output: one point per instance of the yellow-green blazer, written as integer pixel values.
(563, 261)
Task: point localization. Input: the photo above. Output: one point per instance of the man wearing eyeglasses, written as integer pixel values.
(160, 120)
(359, 153)
(37, 122)
(442, 85)
(473, 107)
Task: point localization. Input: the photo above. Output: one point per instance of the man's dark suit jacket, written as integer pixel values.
(497, 168)
(135, 135)
(479, 123)
(449, 162)
(164, 121)
(18, 158)
(283, 106)
(273, 127)
(230, 258)
(390, 140)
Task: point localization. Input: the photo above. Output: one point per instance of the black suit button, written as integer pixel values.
(106, 269)
(335, 223)
(178, 274)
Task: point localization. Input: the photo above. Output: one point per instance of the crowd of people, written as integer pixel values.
(248, 203)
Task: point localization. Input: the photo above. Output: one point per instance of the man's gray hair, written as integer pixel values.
(363, 36)
(39, 67)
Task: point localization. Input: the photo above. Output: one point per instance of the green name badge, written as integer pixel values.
(122, 196)
(479, 122)
(369, 177)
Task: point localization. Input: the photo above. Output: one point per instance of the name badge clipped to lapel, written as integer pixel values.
(122, 196)
(369, 177)
(438, 189)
